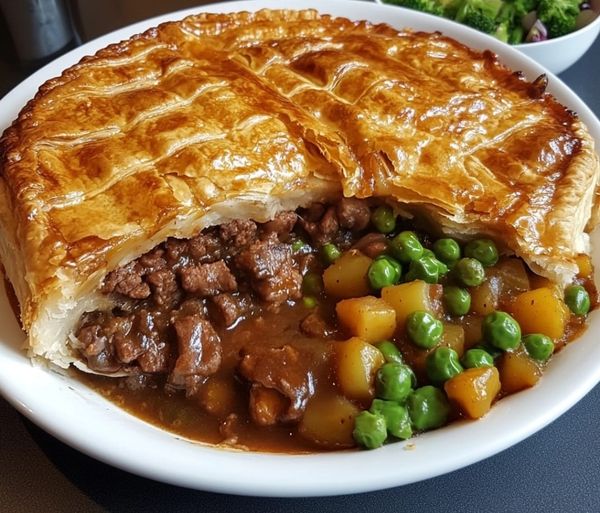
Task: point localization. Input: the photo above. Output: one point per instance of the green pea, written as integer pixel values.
(424, 268)
(483, 250)
(390, 352)
(457, 300)
(446, 250)
(577, 299)
(383, 219)
(423, 329)
(370, 430)
(383, 272)
(474, 358)
(494, 352)
(312, 284)
(500, 330)
(396, 418)
(428, 408)
(442, 267)
(330, 253)
(538, 346)
(299, 246)
(406, 247)
(394, 381)
(309, 302)
(442, 364)
(469, 272)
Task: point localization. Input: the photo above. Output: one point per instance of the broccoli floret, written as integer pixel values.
(488, 8)
(507, 13)
(479, 21)
(451, 7)
(516, 35)
(522, 7)
(480, 14)
(428, 6)
(559, 16)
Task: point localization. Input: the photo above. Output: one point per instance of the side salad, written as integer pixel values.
(512, 21)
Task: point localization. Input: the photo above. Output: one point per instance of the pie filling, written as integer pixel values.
(268, 335)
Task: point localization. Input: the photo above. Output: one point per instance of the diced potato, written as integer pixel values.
(454, 338)
(267, 405)
(584, 264)
(474, 390)
(484, 298)
(368, 317)
(328, 421)
(218, 396)
(347, 276)
(472, 326)
(518, 371)
(357, 362)
(541, 311)
(409, 297)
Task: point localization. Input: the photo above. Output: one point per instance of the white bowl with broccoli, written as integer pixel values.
(556, 33)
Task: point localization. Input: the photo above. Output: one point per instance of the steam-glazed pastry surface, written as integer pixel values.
(243, 115)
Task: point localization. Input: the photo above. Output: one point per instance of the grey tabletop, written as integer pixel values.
(555, 470)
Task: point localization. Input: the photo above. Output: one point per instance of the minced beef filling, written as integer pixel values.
(176, 302)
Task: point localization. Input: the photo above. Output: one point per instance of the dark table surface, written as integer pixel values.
(555, 470)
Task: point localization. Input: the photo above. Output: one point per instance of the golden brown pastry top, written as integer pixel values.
(221, 115)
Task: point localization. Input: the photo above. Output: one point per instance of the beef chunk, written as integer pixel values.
(153, 260)
(322, 231)
(128, 346)
(284, 369)
(238, 233)
(353, 214)
(272, 270)
(307, 262)
(108, 342)
(199, 347)
(100, 337)
(205, 247)
(314, 212)
(127, 280)
(313, 325)
(165, 290)
(156, 355)
(192, 306)
(208, 279)
(228, 307)
(175, 251)
(328, 226)
(282, 224)
(93, 340)
(372, 244)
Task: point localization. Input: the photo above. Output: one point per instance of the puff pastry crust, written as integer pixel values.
(223, 116)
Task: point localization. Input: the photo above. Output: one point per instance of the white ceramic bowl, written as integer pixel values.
(560, 53)
(83, 419)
